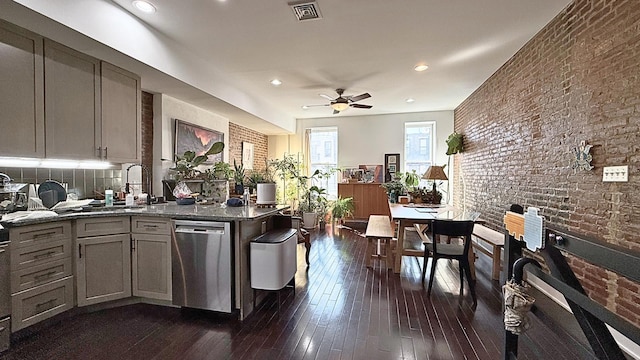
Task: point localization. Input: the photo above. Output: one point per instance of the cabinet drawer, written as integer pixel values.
(37, 275)
(24, 258)
(39, 234)
(142, 225)
(103, 226)
(42, 302)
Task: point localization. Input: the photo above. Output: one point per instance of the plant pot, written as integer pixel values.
(309, 220)
(266, 194)
(239, 189)
(218, 190)
(322, 225)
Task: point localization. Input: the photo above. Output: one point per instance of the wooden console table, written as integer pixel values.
(368, 198)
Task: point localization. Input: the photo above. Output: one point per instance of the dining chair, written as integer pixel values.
(460, 252)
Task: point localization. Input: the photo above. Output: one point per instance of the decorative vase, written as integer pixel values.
(266, 194)
(239, 189)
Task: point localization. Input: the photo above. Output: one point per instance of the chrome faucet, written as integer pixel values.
(5, 179)
(146, 171)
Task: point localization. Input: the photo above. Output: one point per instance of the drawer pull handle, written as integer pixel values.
(2, 328)
(47, 234)
(48, 275)
(151, 226)
(47, 254)
(45, 303)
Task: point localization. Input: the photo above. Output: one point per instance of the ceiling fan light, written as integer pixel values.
(339, 106)
(144, 6)
(421, 67)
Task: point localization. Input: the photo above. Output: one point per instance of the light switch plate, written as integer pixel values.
(615, 174)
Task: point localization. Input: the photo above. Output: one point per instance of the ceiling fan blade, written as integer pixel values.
(336, 112)
(360, 106)
(316, 105)
(326, 96)
(360, 97)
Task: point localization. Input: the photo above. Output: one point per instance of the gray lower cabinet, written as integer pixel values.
(41, 272)
(21, 92)
(151, 257)
(103, 261)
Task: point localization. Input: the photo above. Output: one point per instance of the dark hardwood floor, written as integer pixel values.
(340, 310)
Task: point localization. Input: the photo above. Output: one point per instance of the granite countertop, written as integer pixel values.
(170, 210)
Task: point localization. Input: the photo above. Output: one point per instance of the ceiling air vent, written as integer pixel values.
(305, 10)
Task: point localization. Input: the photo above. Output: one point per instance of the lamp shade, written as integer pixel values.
(435, 172)
(339, 106)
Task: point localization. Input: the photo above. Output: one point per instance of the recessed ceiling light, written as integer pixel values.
(144, 6)
(305, 107)
(276, 82)
(421, 67)
(410, 100)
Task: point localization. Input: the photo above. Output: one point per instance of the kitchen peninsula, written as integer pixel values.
(50, 272)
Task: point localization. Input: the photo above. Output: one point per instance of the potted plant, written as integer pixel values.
(266, 189)
(309, 205)
(217, 181)
(411, 180)
(341, 208)
(322, 209)
(254, 179)
(454, 144)
(238, 177)
(394, 188)
(187, 169)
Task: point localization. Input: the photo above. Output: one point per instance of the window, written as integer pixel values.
(323, 144)
(418, 146)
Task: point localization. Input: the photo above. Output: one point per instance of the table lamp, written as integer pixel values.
(434, 173)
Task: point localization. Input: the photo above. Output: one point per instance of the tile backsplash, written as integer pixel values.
(83, 182)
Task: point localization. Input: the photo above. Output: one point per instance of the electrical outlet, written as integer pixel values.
(615, 174)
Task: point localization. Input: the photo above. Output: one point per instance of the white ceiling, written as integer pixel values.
(362, 45)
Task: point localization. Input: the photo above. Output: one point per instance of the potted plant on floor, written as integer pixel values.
(341, 208)
(309, 206)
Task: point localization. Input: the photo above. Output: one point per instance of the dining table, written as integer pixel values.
(409, 214)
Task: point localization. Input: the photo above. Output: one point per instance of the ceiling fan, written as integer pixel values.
(341, 103)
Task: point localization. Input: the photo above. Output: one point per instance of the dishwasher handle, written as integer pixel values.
(199, 230)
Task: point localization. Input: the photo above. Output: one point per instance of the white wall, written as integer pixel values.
(365, 139)
(165, 110)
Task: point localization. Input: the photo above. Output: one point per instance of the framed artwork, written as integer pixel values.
(391, 165)
(191, 137)
(247, 155)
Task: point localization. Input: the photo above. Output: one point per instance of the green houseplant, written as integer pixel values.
(454, 143)
(341, 208)
(187, 164)
(238, 177)
(216, 182)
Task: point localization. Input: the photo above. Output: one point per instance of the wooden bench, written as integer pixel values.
(379, 228)
(483, 235)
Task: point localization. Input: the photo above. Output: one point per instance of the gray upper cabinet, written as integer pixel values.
(72, 103)
(120, 114)
(21, 92)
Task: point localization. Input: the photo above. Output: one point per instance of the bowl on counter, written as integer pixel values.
(185, 201)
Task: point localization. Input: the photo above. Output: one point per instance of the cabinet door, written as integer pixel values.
(21, 92)
(72, 104)
(151, 263)
(103, 266)
(120, 114)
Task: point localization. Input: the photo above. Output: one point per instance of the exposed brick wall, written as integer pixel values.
(147, 136)
(578, 79)
(238, 134)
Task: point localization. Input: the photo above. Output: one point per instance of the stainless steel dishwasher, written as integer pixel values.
(201, 265)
